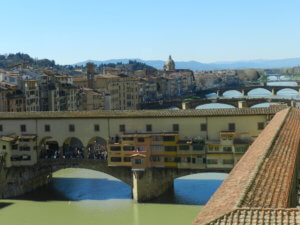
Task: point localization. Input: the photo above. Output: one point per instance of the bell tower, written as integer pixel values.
(90, 74)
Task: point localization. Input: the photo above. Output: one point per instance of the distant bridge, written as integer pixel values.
(193, 103)
(245, 90)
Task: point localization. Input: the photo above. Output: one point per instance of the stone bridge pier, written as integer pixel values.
(151, 183)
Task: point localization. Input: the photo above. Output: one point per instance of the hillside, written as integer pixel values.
(194, 65)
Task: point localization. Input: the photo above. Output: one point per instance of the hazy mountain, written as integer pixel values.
(194, 65)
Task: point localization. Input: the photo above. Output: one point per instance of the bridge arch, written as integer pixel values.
(259, 92)
(122, 173)
(173, 108)
(48, 148)
(212, 94)
(97, 148)
(73, 148)
(263, 104)
(232, 93)
(90, 184)
(288, 91)
(215, 106)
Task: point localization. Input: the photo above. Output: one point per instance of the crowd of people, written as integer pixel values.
(93, 152)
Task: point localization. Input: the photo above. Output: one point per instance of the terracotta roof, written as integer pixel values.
(258, 189)
(144, 113)
(247, 216)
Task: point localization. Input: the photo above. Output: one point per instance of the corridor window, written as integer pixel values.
(148, 127)
(203, 127)
(231, 126)
(23, 128)
(96, 127)
(47, 128)
(260, 125)
(175, 127)
(122, 128)
(71, 127)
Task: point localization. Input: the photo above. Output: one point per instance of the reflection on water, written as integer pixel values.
(78, 196)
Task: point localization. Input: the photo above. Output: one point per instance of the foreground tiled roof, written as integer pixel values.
(145, 113)
(258, 189)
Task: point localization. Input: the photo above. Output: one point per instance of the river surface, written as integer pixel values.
(80, 196)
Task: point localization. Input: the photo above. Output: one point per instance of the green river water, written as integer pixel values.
(86, 197)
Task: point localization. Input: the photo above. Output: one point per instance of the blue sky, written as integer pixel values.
(202, 30)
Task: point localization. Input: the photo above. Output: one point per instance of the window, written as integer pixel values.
(227, 149)
(260, 126)
(3, 147)
(148, 127)
(193, 160)
(138, 161)
(23, 128)
(47, 128)
(170, 148)
(122, 128)
(212, 161)
(198, 147)
(155, 158)
(231, 126)
(184, 147)
(241, 149)
(127, 138)
(115, 159)
(96, 127)
(24, 148)
(127, 159)
(169, 159)
(115, 148)
(71, 127)
(178, 159)
(14, 147)
(141, 139)
(26, 157)
(228, 161)
(169, 138)
(156, 148)
(203, 127)
(128, 148)
(140, 148)
(157, 138)
(1, 127)
(175, 127)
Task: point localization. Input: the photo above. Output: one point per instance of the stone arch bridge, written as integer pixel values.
(146, 184)
(245, 90)
(193, 103)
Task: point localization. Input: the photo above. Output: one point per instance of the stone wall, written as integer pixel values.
(16, 181)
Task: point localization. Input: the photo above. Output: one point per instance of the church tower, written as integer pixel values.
(90, 74)
(170, 64)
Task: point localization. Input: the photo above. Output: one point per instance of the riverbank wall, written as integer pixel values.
(16, 181)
